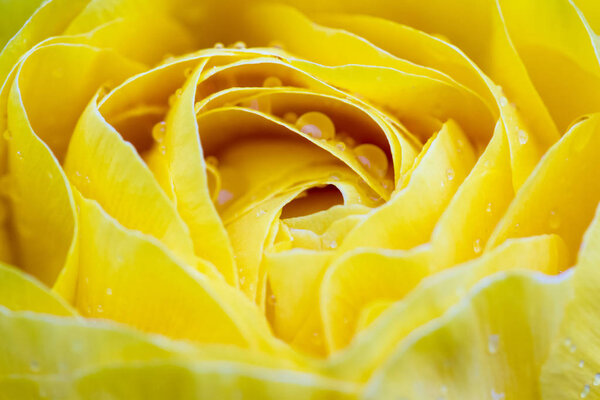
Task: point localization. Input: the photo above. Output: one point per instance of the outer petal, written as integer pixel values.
(130, 278)
(507, 325)
(18, 291)
(573, 369)
(436, 295)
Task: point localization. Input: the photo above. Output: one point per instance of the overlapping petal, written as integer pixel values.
(360, 200)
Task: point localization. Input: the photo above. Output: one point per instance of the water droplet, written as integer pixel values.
(585, 391)
(316, 124)
(7, 135)
(262, 104)
(158, 131)
(477, 246)
(444, 390)
(497, 395)
(568, 342)
(34, 366)
(272, 300)
(349, 140)
(341, 146)
(272, 81)
(333, 244)
(388, 184)
(239, 45)
(99, 308)
(219, 45)
(260, 212)
(450, 174)
(522, 136)
(19, 155)
(493, 342)
(503, 101)
(597, 379)
(335, 178)
(212, 160)
(554, 220)
(276, 44)
(224, 196)
(581, 363)
(372, 158)
(290, 117)
(108, 291)
(572, 348)
(242, 280)
(488, 209)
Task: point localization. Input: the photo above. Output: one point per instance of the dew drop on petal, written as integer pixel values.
(488, 209)
(597, 379)
(224, 196)
(158, 131)
(522, 136)
(99, 308)
(290, 117)
(316, 124)
(477, 246)
(497, 395)
(219, 45)
(554, 220)
(272, 81)
(34, 366)
(581, 363)
(372, 158)
(108, 291)
(212, 160)
(239, 45)
(493, 342)
(585, 391)
(341, 146)
(450, 174)
(503, 101)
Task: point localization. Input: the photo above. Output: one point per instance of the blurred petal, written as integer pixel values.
(573, 368)
(18, 291)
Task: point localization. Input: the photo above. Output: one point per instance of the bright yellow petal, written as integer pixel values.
(408, 219)
(573, 368)
(436, 295)
(561, 194)
(507, 324)
(18, 291)
(128, 277)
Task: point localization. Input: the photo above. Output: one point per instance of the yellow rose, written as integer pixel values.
(333, 200)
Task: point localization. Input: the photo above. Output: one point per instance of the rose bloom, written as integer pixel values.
(209, 199)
